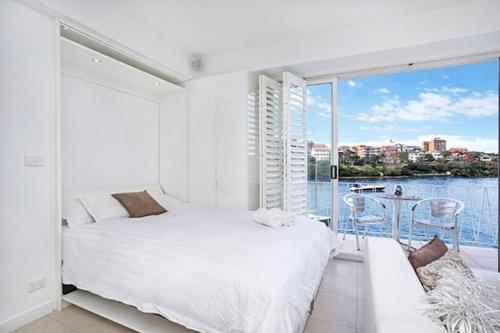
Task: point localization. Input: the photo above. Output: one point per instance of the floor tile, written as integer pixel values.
(84, 321)
(470, 261)
(479, 251)
(344, 285)
(45, 325)
(342, 267)
(335, 309)
(487, 263)
(360, 318)
(349, 244)
(319, 326)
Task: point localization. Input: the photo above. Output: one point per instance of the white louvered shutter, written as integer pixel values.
(271, 143)
(295, 143)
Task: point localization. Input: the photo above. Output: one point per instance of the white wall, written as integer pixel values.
(109, 138)
(27, 123)
(174, 145)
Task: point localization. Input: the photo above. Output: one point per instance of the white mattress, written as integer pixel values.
(206, 269)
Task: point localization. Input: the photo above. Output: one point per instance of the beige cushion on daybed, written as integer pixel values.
(393, 291)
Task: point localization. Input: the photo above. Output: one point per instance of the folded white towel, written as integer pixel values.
(267, 217)
(287, 219)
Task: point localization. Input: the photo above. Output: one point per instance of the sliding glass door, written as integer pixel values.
(321, 153)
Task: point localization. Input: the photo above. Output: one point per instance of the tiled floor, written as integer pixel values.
(337, 309)
(71, 320)
(339, 304)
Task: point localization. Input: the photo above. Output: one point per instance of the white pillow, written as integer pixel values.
(74, 212)
(164, 200)
(102, 206)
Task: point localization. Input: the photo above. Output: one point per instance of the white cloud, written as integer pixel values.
(445, 77)
(383, 91)
(392, 128)
(432, 106)
(317, 102)
(351, 83)
(454, 90)
(446, 90)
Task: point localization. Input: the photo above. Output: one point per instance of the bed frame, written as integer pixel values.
(131, 317)
(122, 314)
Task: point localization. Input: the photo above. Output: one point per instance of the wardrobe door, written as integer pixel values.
(231, 139)
(202, 141)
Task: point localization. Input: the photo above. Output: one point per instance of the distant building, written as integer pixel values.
(364, 151)
(436, 145)
(485, 158)
(391, 150)
(457, 150)
(320, 152)
(437, 156)
(415, 156)
(439, 145)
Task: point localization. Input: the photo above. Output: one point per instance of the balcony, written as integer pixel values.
(479, 221)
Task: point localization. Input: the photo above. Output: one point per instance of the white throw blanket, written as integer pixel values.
(273, 217)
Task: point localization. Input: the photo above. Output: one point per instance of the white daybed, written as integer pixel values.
(393, 292)
(207, 269)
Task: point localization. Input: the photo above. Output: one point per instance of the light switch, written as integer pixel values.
(33, 161)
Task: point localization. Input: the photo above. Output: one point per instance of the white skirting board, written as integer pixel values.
(26, 317)
(123, 314)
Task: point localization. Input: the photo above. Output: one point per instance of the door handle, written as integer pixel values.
(333, 172)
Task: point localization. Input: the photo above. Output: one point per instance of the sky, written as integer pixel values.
(459, 104)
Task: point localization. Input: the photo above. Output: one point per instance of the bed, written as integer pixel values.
(209, 270)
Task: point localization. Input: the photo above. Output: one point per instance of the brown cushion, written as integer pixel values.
(428, 253)
(139, 204)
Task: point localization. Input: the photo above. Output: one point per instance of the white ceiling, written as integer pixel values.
(232, 34)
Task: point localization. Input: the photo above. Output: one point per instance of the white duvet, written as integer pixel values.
(209, 270)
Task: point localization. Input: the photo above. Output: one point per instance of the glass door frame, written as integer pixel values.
(334, 156)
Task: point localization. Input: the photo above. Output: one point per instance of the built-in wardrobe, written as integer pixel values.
(223, 141)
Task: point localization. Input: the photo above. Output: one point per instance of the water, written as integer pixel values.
(479, 221)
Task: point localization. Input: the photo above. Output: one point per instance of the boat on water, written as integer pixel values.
(357, 187)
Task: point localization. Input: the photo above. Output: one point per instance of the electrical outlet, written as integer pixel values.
(37, 284)
(34, 161)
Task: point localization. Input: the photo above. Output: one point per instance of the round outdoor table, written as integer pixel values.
(396, 211)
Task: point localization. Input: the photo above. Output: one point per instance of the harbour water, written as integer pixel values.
(479, 220)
